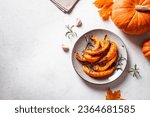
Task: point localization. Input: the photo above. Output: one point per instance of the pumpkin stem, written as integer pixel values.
(141, 8)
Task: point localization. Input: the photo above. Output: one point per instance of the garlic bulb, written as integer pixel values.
(65, 48)
(78, 22)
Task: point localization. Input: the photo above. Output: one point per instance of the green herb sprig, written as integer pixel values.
(119, 62)
(88, 41)
(135, 71)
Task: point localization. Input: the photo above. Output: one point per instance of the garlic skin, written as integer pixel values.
(78, 22)
(65, 48)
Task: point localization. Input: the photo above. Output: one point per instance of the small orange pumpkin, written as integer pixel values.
(146, 49)
(132, 16)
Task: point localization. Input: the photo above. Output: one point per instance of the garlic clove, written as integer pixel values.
(78, 22)
(65, 48)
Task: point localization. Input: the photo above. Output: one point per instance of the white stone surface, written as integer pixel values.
(33, 64)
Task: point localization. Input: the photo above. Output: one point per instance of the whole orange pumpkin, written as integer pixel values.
(132, 16)
(146, 49)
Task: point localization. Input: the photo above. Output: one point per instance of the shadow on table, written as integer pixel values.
(113, 84)
(137, 39)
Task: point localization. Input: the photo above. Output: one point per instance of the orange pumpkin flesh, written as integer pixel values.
(132, 16)
(146, 49)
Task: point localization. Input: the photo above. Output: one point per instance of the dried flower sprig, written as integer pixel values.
(119, 62)
(70, 33)
(135, 71)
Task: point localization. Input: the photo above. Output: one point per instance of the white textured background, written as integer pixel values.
(33, 65)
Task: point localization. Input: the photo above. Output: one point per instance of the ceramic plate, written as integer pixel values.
(121, 62)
